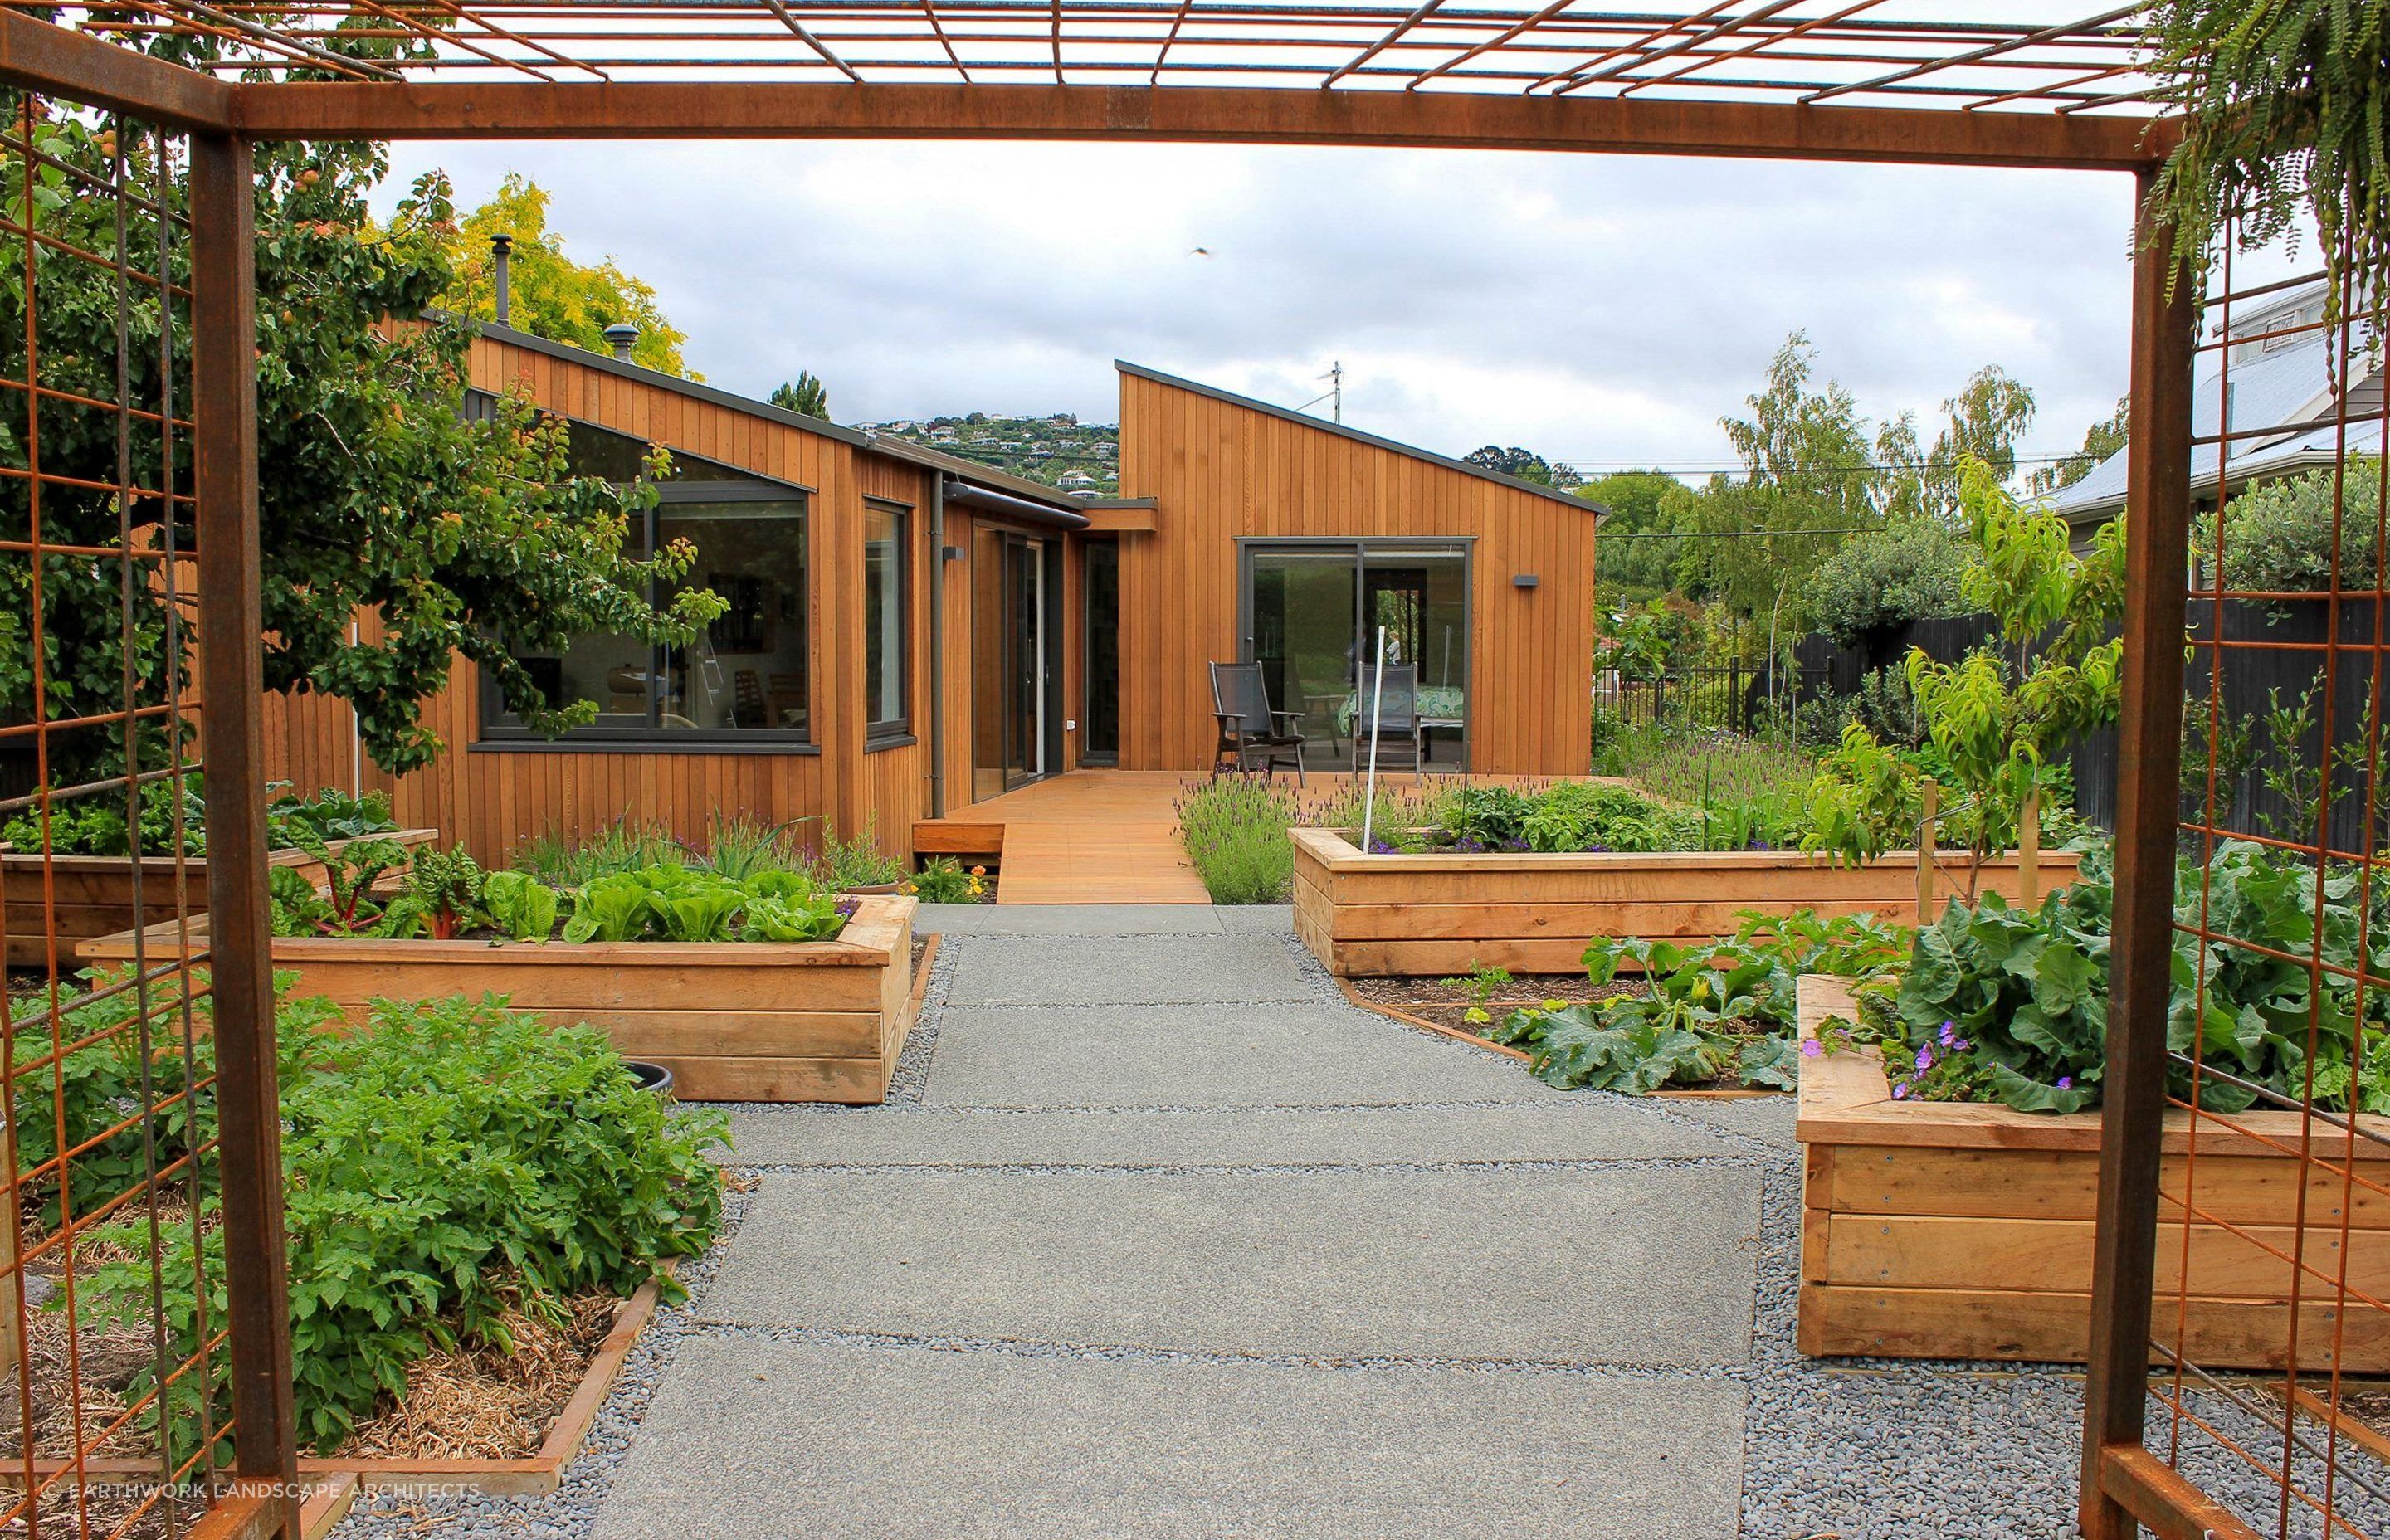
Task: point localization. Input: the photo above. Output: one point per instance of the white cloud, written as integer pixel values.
(1597, 308)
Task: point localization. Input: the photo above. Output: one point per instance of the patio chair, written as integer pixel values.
(1399, 734)
(1255, 736)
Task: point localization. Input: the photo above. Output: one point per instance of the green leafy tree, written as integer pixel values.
(553, 296)
(1993, 718)
(1805, 485)
(377, 493)
(1627, 562)
(2101, 440)
(1526, 465)
(808, 397)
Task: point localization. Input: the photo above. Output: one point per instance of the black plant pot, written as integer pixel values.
(651, 1077)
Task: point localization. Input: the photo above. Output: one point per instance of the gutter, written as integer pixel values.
(989, 500)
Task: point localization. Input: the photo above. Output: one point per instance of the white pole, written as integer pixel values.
(1377, 698)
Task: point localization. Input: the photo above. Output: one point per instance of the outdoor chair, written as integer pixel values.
(1251, 734)
(1399, 732)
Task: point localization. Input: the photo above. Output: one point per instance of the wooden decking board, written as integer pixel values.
(1110, 836)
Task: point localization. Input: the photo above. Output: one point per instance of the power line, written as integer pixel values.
(1604, 538)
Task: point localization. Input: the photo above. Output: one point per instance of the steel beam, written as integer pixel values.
(702, 109)
(53, 61)
(2157, 546)
(232, 679)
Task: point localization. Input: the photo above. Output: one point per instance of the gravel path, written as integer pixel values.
(1422, 1351)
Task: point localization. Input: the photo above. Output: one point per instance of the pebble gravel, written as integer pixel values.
(1845, 1449)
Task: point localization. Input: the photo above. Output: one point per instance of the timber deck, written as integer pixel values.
(1101, 836)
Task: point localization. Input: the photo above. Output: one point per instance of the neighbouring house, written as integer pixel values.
(2272, 388)
(910, 631)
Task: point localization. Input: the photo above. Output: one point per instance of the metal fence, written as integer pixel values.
(143, 1333)
(1747, 698)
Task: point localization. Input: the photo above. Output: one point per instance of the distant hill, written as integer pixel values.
(1062, 451)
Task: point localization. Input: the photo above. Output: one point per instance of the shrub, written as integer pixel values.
(1879, 581)
(2278, 535)
(563, 862)
(1234, 830)
(452, 1160)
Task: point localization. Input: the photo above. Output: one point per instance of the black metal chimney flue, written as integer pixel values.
(501, 246)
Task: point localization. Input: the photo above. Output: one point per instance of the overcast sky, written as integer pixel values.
(1603, 311)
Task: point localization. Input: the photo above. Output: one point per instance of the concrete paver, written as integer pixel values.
(839, 1443)
(1208, 1056)
(1511, 1265)
(1558, 1128)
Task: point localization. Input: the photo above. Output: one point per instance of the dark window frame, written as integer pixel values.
(500, 732)
(894, 732)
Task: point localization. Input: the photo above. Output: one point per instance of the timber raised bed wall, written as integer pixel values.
(1960, 1230)
(94, 895)
(1382, 916)
(734, 1021)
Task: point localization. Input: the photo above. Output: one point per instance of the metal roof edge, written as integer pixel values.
(1357, 435)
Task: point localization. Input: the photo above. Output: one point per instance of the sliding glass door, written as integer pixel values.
(1012, 673)
(1312, 613)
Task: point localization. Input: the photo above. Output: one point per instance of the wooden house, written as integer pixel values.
(910, 631)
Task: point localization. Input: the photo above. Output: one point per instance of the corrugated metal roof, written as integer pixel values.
(2280, 389)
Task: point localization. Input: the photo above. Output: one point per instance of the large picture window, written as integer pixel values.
(887, 574)
(748, 679)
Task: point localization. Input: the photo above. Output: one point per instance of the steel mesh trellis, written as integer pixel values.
(2273, 1195)
(109, 1327)
(1847, 52)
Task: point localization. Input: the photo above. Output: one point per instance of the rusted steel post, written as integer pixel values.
(231, 631)
(2157, 499)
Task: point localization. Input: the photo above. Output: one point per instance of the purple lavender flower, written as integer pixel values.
(1379, 847)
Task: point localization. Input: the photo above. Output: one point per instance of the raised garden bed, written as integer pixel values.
(732, 1021)
(1934, 1229)
(94, 895)
(1377, 916)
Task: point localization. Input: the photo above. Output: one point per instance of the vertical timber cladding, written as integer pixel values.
(490, 800)
(1222, 471)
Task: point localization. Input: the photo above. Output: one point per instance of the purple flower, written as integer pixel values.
(1960, 1046)
(2066, 1082)
(1949, 1035)
(1812, 1048)
(1379, 847)
(1900, 1091)
(1925, 1058)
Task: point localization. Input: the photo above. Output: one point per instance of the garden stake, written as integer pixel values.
(1377, 698)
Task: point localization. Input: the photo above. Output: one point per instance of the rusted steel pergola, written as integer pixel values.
(1823, 80)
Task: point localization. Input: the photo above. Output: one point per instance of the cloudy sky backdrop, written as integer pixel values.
(1599, 310)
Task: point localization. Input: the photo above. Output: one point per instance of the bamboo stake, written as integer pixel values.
(2029, 848)
(1928, 839)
